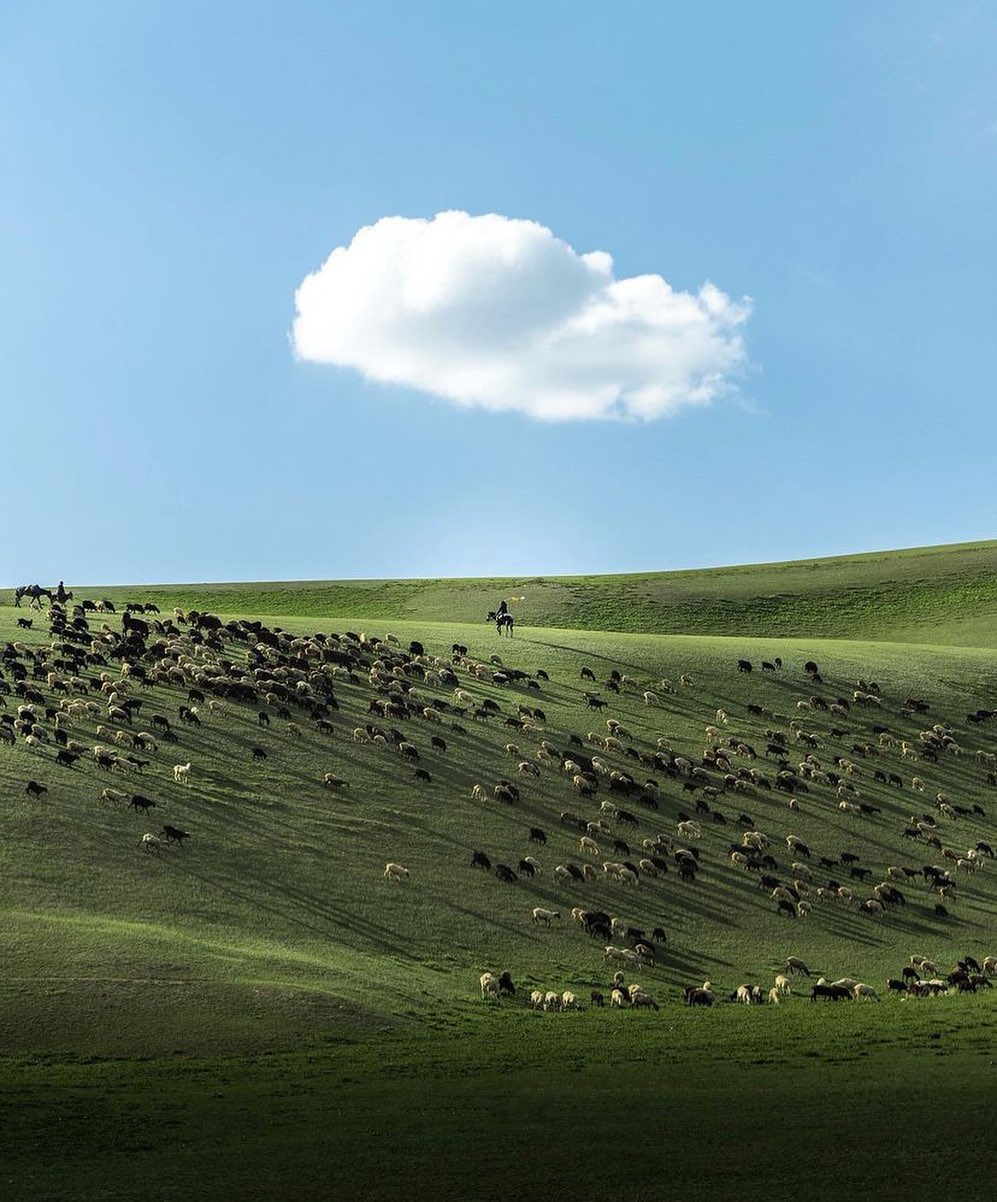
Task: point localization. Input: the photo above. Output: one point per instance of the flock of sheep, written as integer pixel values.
(821, 759)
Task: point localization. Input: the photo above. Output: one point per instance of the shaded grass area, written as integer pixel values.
(833, 1101)
(943, 595)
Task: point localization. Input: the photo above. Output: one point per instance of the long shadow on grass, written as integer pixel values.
(339, 919)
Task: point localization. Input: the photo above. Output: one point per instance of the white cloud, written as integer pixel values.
(498, 313)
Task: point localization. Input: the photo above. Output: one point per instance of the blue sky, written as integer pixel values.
(171, 173)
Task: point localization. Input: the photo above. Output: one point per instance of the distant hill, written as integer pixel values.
(943, 595)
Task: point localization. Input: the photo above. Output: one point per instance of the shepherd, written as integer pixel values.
(502, 618)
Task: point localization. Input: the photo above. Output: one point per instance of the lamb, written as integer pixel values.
(395, 872)
(181, 773)
(540, 915)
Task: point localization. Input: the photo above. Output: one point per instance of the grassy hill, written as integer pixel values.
(939, 595)
(269, 963)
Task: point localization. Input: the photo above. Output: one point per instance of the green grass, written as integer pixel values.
(798, 1098)
(943, 595)
(285, 1022)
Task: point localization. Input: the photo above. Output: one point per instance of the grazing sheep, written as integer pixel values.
(181, 773)
(540, 915)
(395, 872)
(795, 964)
(489, 985)
(860, 991)
(150, 842)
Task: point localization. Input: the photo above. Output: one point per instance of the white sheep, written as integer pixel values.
(151, 843)
(536, 999)
(181, 773)
(620, 953)
(650, 698)
(540, 915)
(860, 991)
(489, 984)
(395, 872)
(589, 846)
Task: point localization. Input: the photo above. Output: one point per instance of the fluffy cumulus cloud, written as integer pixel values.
(498, 313)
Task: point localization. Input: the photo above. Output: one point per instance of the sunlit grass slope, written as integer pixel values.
(274, 924)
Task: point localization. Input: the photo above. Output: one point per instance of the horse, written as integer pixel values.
(502, 621)
(35, 592)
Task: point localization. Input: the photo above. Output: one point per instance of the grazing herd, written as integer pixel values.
(642, 816)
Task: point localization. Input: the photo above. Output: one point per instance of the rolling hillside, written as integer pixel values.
(271, 932)
(937, 595)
